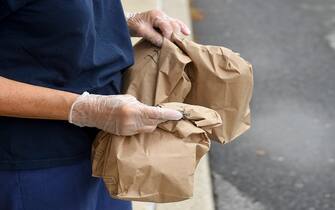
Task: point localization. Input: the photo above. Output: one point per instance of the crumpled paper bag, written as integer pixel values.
(184, 71)
(158, 74)
(221, 80)
(156, 166)
(173, 74)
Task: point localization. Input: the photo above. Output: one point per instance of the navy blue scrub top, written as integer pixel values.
(72, 45)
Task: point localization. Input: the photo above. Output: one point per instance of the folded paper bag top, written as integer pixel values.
(158, 166)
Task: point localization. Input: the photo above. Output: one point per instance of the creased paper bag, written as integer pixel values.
(213, 76)
(221, 80)
(158, 74)
(156, 166)
(159, 166)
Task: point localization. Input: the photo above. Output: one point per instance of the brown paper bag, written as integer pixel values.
(158, 75)
(158, 166)
(223, 81)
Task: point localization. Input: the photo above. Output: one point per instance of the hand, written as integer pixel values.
(153, 25)
(118, 114)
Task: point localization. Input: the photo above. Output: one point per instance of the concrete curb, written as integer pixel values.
(203, 193)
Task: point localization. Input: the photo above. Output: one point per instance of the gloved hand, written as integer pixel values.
(145, 24)
(118, 114)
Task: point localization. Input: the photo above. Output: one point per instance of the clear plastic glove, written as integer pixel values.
(118, 114)
(153, 25)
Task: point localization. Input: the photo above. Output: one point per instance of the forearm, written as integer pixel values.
(28, 101)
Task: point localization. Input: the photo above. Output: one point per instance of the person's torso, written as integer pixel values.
(73, 45)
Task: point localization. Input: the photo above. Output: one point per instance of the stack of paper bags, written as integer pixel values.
(210, 85)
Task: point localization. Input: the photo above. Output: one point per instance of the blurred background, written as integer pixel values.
(287, 160)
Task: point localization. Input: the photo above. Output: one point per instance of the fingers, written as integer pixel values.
(157, 115)
(176, 27)
(153, 36)
(153, 25)
(184, 28)
(169, 25)
(169, 114)
(164, 25)
(164, 114)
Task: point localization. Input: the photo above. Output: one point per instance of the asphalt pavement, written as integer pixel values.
(287, 160)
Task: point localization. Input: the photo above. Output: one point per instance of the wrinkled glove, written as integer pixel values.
(153, 25)
(118, 114)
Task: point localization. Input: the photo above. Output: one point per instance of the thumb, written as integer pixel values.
(163, 113)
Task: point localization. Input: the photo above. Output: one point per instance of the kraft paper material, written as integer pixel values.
(211, 85)
(223, 81)
(158, 166)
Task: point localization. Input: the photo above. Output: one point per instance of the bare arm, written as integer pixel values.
(117, 114)
(28, 101)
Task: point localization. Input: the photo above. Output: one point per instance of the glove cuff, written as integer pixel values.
(70, 118)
